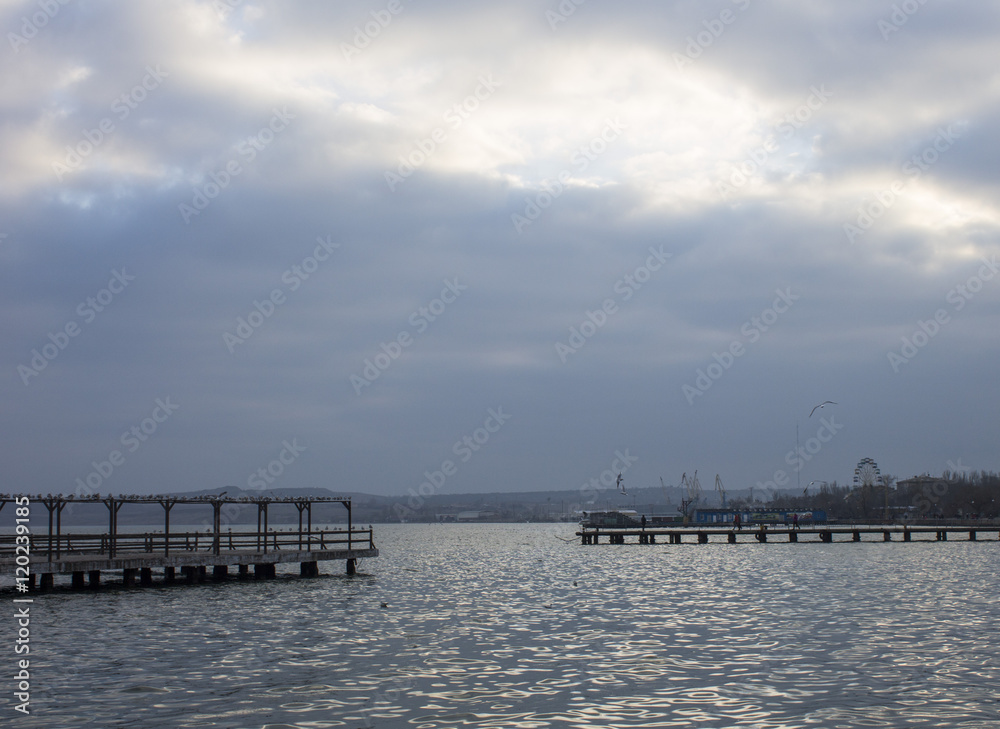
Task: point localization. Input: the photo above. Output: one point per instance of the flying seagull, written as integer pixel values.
(618, 483)
(821, 405)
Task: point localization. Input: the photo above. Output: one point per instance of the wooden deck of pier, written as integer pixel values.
(136, 555)
(813, 533)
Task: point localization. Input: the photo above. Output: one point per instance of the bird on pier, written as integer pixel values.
(821, 405)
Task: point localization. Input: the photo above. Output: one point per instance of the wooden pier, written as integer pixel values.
(813, 533)
(87, 556)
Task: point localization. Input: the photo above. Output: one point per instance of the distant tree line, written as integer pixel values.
(971, 494)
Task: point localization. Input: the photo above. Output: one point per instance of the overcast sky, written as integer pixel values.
(331, 240)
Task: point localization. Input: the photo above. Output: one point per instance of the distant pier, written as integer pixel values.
(756, 534)
(182, 556)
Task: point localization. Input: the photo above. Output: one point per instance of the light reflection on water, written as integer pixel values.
(506, 626)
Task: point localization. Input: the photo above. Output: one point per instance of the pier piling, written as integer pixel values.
(825, 533)
(84, 556)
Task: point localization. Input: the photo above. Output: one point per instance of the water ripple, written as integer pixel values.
(505, 626)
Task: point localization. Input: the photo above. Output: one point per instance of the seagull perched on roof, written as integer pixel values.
(821, 405)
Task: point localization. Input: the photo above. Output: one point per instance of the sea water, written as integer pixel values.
(518, 626)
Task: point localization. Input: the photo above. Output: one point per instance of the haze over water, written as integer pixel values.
(501, 626)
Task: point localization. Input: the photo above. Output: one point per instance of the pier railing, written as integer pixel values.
(65, 545)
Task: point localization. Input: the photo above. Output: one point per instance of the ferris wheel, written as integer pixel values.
(867, 474)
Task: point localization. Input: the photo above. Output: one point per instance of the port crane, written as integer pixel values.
(666, 494)
(692, 489)
(721, 490)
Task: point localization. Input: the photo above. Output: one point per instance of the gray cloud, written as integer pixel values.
(324, 174)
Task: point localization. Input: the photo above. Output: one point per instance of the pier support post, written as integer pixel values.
(220, 572)
(31, 581)
(793, 536)
(46, 581)
(732, 537)
(906, 535)
(202, 572)
(972, 535)
(309, 569)
(169, 574)
(352, 567)
(856, 535)
(190, 574)
(94, 579)
(146, 576)
(77, 581)
(702, 537)
(652, 539)
(244, 570)
(944, 535)
(886, 535)
(128, 577)
(827, 536)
